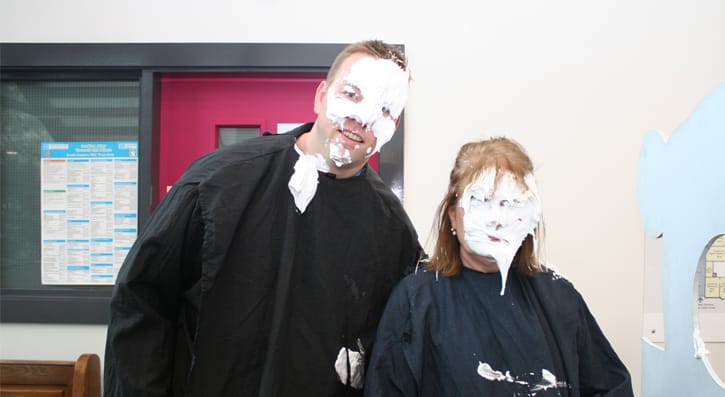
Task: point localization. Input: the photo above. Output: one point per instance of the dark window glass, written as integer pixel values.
(47, 111)
(230, 135)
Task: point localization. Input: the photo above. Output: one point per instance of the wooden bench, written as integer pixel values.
(36, 378)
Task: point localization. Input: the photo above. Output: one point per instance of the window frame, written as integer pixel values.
(147, 62)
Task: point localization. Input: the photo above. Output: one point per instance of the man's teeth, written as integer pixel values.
(352, 136)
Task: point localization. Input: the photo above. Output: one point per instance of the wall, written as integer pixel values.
(577, 82)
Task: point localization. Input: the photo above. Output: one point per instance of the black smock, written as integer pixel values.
(231, 291)
(457, 336)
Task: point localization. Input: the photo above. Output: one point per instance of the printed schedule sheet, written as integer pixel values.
(89, 210)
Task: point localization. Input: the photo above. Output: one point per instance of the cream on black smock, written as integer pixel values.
(457, 336)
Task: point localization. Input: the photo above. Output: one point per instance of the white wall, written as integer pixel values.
(578, 82)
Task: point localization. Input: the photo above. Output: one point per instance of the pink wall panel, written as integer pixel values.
(193, 107)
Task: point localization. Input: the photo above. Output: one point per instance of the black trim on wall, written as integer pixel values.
(148, 143)
(146, 62)
(77, 306)
(233, 56)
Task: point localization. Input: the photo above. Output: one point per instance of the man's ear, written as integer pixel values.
(320, 95)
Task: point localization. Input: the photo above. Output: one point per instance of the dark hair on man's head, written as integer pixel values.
(375, 48)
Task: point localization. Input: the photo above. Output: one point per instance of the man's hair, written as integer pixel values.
(502, 154)
(375, 48)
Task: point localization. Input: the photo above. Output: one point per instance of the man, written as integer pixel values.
(266, 268)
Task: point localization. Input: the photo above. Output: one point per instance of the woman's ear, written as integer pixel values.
(453, 215)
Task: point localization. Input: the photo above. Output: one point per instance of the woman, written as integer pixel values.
(466, 325)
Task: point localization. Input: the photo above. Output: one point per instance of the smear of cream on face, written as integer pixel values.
(382, 85)
(339, 154)
(498, 216)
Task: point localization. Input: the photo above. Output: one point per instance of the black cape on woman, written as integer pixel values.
(457, 336)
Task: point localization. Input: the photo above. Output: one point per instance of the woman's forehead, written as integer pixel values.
(491, 179)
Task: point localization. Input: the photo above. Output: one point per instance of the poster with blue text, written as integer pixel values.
(89, 210)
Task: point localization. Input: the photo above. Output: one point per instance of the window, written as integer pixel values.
(37, 112)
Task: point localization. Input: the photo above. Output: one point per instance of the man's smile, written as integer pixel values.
(351, 135)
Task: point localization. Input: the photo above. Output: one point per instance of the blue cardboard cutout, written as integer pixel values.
(681, 188)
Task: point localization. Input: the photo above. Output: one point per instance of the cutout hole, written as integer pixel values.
(709, 292)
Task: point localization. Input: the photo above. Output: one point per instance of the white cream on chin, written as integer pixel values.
(498, 216)
(338, 153)
(381, 85)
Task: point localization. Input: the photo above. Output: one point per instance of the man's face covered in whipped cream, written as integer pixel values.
(498, 213)
(362, 105)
